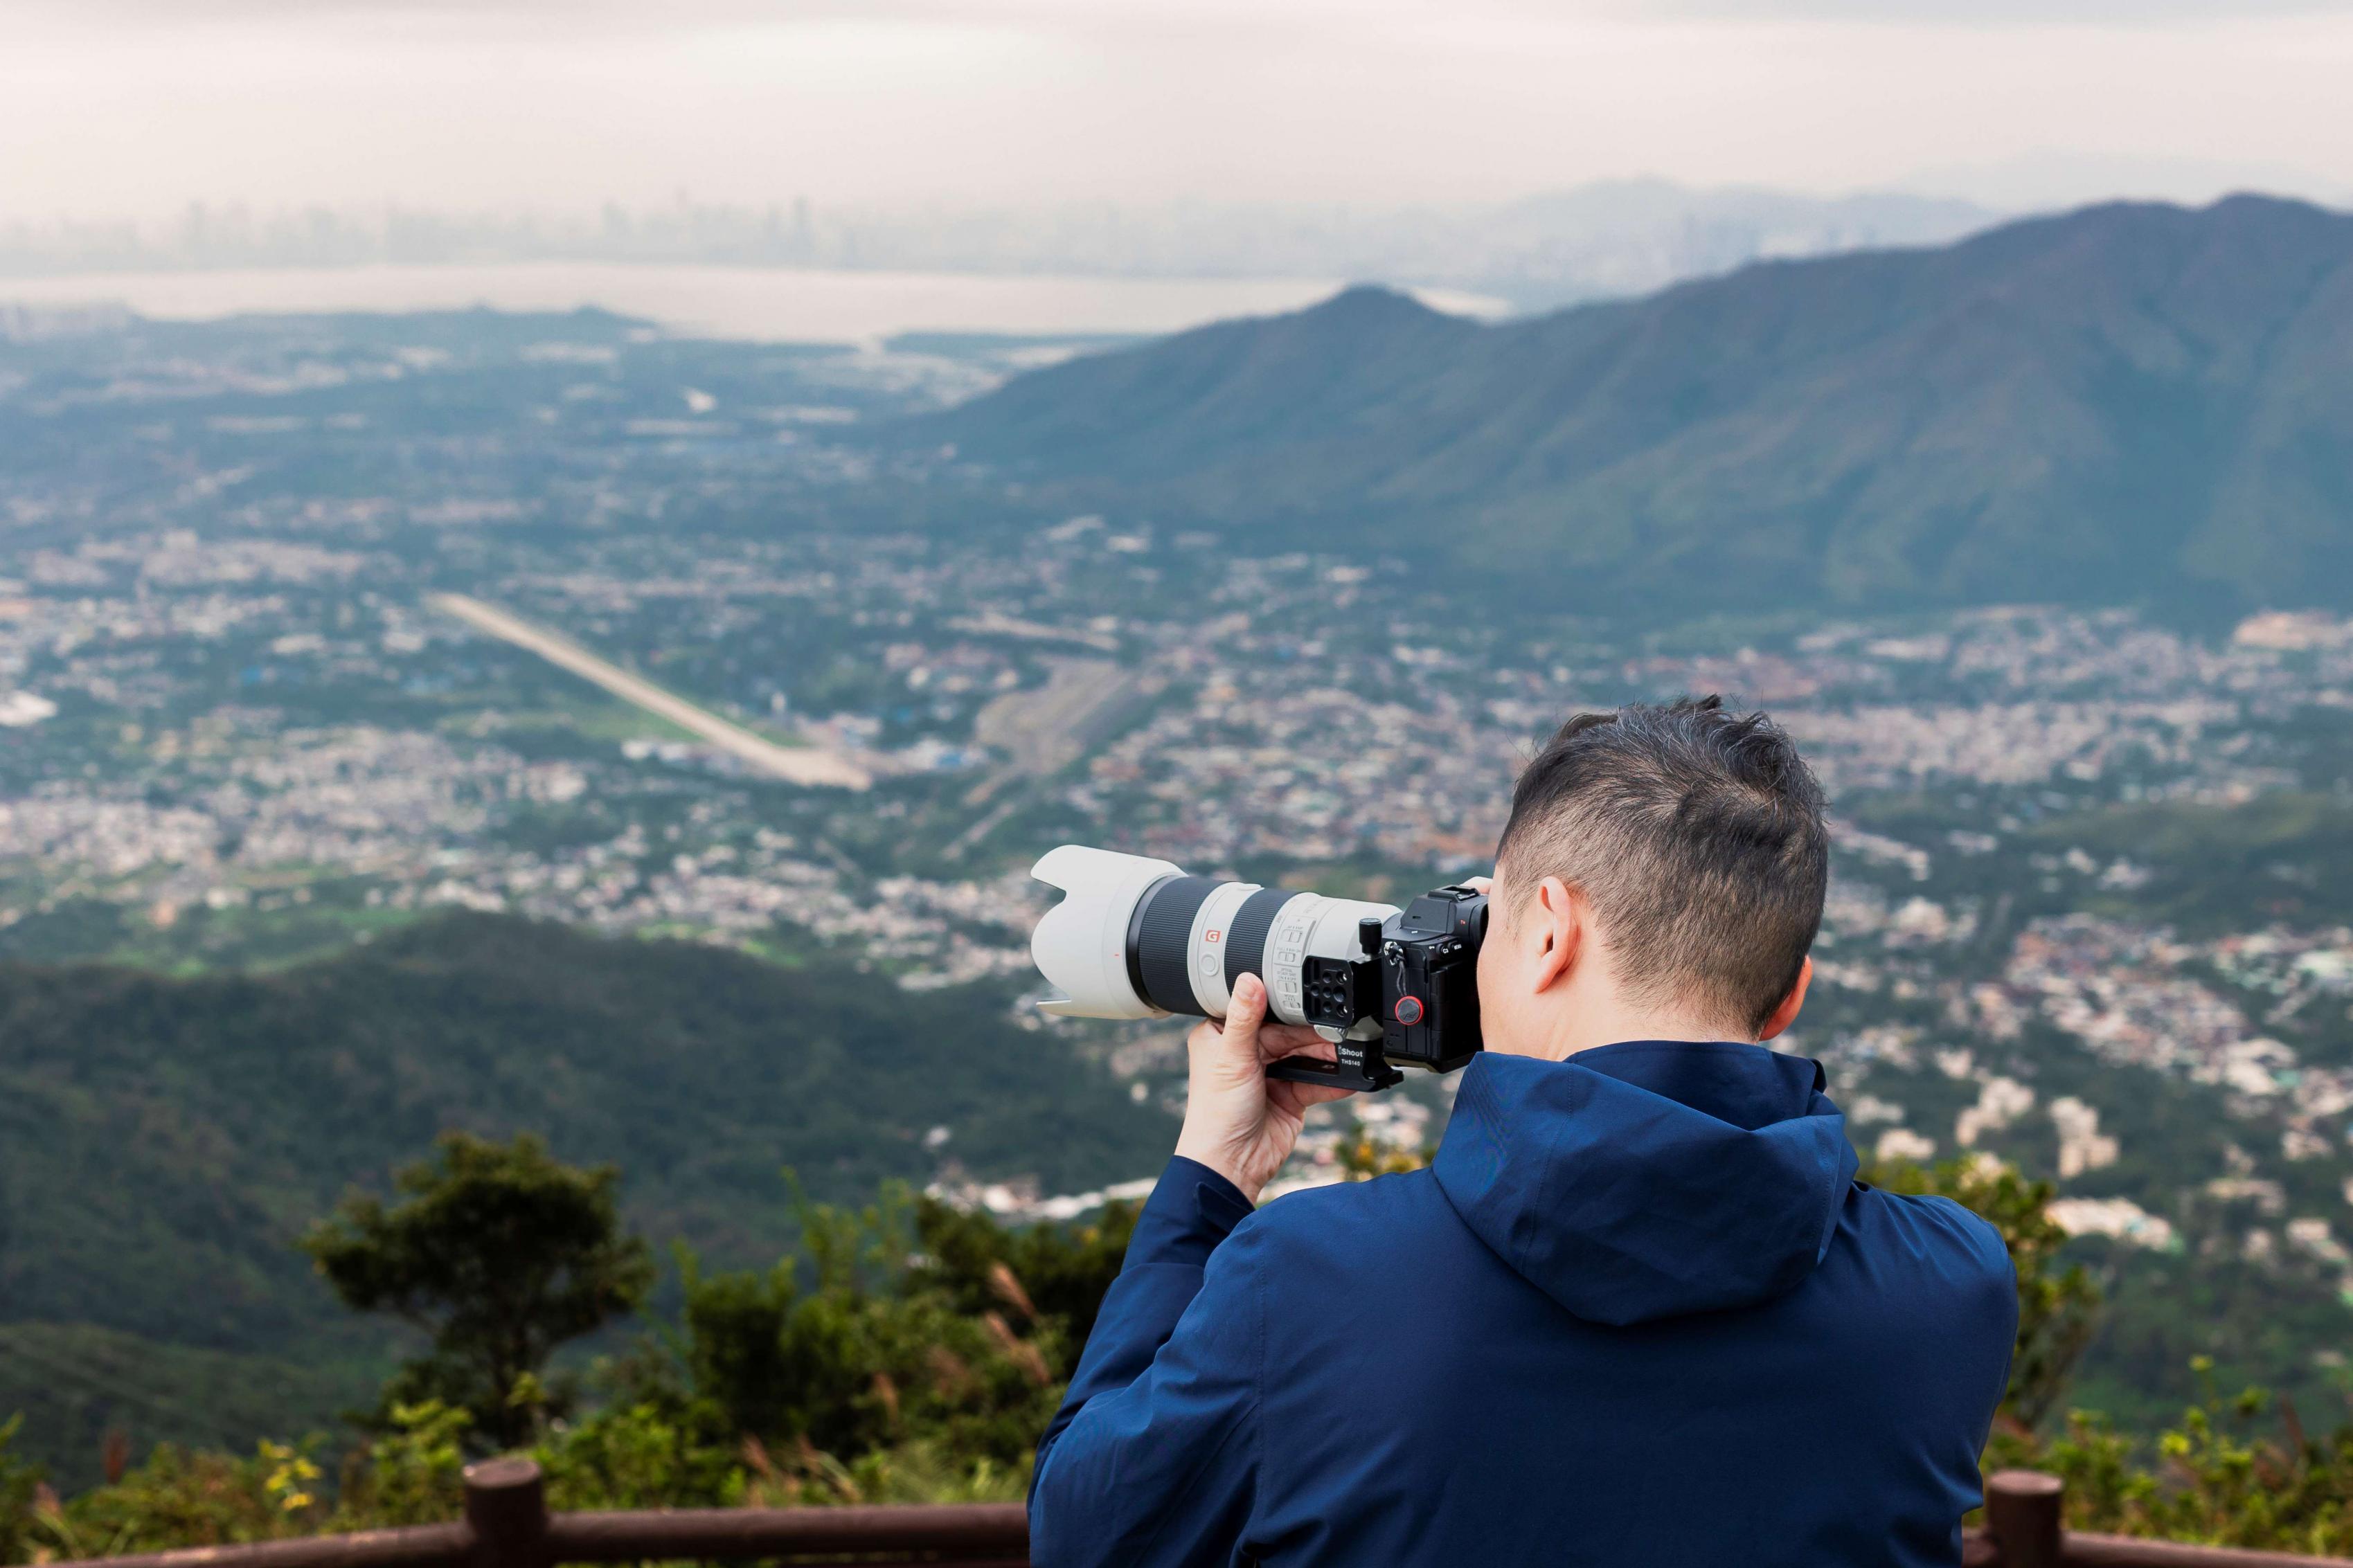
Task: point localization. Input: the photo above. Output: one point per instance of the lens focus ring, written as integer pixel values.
(1162, 940)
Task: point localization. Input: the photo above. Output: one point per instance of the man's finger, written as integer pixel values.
(1246, 1011)
(1273, 1047)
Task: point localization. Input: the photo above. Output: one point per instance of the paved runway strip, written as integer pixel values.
(798, 764)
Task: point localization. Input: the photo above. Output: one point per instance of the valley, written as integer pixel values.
(297, 868)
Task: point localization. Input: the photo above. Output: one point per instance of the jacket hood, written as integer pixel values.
(1650, 1179)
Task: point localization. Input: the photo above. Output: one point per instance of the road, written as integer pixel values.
(1044, 731)
(795, 765)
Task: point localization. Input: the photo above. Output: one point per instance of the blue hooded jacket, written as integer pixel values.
(1638, 1313)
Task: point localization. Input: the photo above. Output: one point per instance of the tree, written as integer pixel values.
(499, 1253)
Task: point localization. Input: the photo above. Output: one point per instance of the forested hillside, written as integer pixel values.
(2131, 403)
(168, 1140)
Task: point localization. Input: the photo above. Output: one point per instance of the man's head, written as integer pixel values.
(1660, 878)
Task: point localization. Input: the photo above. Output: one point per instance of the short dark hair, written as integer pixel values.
(1697, 837)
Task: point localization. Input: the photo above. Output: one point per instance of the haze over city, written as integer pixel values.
(133, 108)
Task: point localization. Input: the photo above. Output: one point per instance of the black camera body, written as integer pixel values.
(1418, 974)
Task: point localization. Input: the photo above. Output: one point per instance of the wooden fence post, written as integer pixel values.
(506, 1504)
(2022, 1510)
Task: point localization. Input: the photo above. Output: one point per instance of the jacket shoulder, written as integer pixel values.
(1939, 1243)
(1940, 1219)
(1342, 1201)
(1356, 1220)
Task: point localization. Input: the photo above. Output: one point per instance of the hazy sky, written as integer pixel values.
(136, 107)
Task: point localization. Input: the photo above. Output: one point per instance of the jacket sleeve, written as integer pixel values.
(1152, 1458)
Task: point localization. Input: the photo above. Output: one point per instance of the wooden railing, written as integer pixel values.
(2022, 1530)
(507, 1525)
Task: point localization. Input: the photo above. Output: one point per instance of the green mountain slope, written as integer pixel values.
(2125, 403)
(73, 1384)
(167, 1140)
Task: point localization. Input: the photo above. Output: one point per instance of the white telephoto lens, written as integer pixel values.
(1136, 937)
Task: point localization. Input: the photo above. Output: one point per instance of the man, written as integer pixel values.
(1638, 1312)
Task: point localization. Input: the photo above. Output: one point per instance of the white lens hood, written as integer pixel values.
(1081, 945)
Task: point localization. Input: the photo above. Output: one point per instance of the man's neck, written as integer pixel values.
(1587, 1031)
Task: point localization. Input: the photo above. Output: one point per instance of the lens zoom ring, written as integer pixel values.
(1164, 942)
(1246, 942)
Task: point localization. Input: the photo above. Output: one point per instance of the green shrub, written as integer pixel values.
(20, 1488)
(413, 1472)
(1040, 1273)
(191, 1498)
(880, 1348)
(635, 1456)
(2217, 1478)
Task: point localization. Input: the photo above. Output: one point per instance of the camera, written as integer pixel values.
(1136, 937)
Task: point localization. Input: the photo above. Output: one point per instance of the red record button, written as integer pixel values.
(1408, 1011)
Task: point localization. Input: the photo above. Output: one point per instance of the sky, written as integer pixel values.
(137, 108)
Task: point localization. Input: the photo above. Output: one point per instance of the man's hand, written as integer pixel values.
(1238, 1121)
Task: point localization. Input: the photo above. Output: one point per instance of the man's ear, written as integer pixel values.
(1555, 931)
(1787, 1013)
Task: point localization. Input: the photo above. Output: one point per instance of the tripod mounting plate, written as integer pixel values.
(1361, 1067)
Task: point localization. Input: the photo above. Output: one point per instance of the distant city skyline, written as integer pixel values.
(1605, 239)
(132, 110)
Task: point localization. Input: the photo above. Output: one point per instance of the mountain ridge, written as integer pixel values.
(2130, 402)
(170, 1137)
